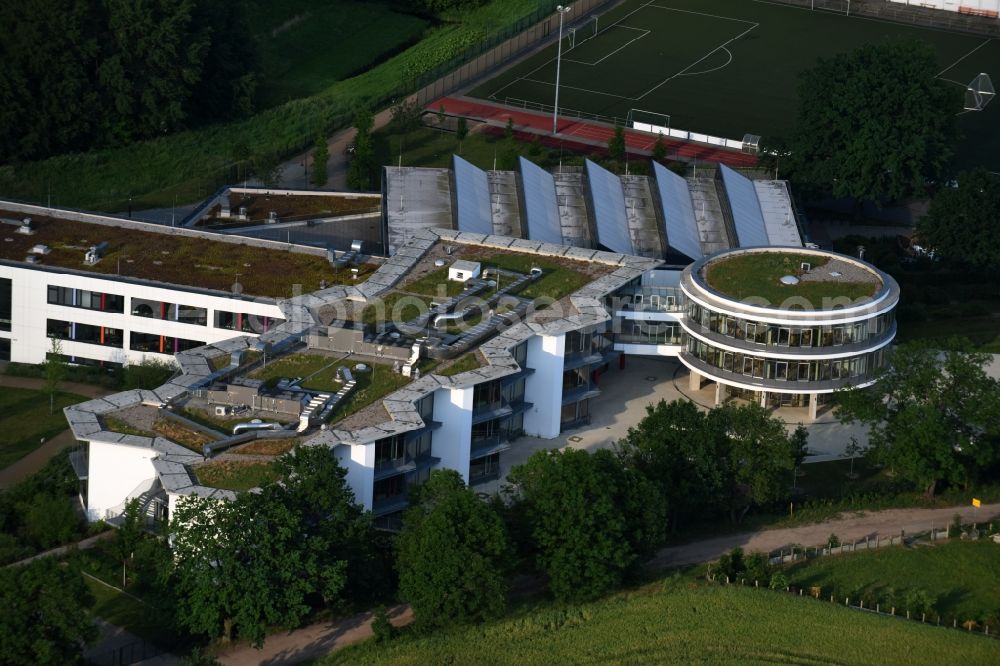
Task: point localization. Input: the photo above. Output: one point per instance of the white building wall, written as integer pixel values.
(543, 389)
(452, 442)
(649, 350)
(981, 7)
(30, 310)
(359, 461)
(115, 474)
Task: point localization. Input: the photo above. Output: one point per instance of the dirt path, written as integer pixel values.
(317, 640)
(848, 528)
(311, 642)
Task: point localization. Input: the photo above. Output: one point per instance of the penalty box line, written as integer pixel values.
(723, 45)
(623, 46)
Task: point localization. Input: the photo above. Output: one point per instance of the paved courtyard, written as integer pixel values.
(644, 381)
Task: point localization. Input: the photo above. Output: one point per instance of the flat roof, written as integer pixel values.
(757, 274)
(288, 207)
(170, 258)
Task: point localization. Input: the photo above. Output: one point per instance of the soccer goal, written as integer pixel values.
(979, 93)
(648, 121)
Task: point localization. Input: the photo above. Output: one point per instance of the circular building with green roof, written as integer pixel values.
(786, 326)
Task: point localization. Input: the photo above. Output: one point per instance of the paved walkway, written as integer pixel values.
(36, 460)
(84, 544)
(585, 133)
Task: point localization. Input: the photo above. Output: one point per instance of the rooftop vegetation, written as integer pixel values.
(177, 259)
(291, 207)
(235, 475)
(465, 363)
(560, 278)
(180, 434)
(266, 447)
(434, 283)
(757, 275)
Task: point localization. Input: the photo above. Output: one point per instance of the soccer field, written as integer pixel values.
(726, 67)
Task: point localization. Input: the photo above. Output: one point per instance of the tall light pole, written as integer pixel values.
(555, 109)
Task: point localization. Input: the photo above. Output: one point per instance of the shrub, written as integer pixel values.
(833, 541)
(779, 581)
(381, 626)
(955, 529)
(757, 567)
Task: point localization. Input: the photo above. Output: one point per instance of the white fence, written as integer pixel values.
(684, 135)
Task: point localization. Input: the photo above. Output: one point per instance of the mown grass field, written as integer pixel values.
(961, 575)
(139, 618)
(687, 623)
(25, 420)
(730, 67)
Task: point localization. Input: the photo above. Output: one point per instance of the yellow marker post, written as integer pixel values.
(976, 503)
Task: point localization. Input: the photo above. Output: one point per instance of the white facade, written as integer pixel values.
(989, 8)
(359, 461)
(452, 442)
(543, 389)
(31, 311)
(116, 474)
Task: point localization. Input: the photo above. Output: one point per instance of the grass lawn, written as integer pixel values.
(558, 278)
(830, 480)
(25, 420)
(435, 284)
(235, 475)
(317, 370)
(141, 619)
(961, 575)
(465, 363)
(683, 623)
(372, 386)
(306, 45)
(757, 275)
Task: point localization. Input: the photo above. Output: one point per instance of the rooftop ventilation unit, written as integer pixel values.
(356, 246)
(272, 217)
(242, 214)
(33, 259)
(805, 266)
(95, 253)
(41, 248)
(26, 227)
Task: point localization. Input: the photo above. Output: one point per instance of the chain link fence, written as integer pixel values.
(907, 14)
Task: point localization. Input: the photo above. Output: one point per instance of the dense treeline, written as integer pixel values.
(81, 74)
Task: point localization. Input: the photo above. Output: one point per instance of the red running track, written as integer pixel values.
(589, 133)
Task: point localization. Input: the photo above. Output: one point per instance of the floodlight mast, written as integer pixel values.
(555, 108)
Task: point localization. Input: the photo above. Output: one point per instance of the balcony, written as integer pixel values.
(391, 504)
(394, 466)
(487, 446)
(490, 412)
(81, 464)
(580, 393)
(580, 359)
(783, 385)
(804, 352)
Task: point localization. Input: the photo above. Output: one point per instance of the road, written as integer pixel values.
(314, 641)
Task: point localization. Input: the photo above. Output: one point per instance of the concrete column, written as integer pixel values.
(763, 399)
(813, 405)
(694, 381)
(720, 393)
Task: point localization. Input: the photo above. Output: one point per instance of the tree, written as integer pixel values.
(678, 448)
(54, 370)
(49, 520)
(961, 217)
(799, 442)
(760, 458)
(348, 565)
(45, 617)
(616, 144)
(320, 156)
(361, 172)
(875, 123)
(508, 130)
(452, 554)
(591, 519)
(461, 131)
(934, 416)
(659, 149)
(406, 115)
(239, 566)
(129, 534)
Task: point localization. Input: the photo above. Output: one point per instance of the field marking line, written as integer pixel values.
(550, 60)
(599, 61)
(714, 69)
(689, 11)
(680, 73)
(985, 42)
(586, 90)
(957, 83)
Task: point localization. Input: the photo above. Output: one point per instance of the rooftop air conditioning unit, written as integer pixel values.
(41, 248)
(223, 410)
(26, 227)
(356, 246)
(272, 217)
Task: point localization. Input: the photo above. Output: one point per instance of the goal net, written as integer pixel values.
(979, 93)
(648, 121)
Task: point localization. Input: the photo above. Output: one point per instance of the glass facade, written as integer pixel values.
(88, 300)
(245, 323)
(160, 344)
(185, 314)
(859, 368)
(773, 335)
(87, 333)
(650, 333)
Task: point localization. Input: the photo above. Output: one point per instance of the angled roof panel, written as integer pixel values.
(747, 216)
(678, 212)
(472, 196)
(540, 206)
(608, 200)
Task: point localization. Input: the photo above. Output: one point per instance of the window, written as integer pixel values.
(486, 396)
(88, 333)
(186, 314)
(4, 349)
(245, 323)
(6, 303)
(88, 300)
(389, 452)
(160, 344)
(484, 469)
